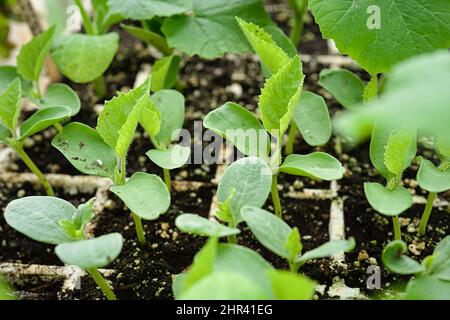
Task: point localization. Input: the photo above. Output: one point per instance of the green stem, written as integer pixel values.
(427, 213)
(298, 11)
(88, 27)
(276, 196)
(58, 127)
(293, 267)
(289, 148)
(167, 180)
(232, 238)
(38, 92)
(101, 282)
(18, 147)
(139, 229)
(100, 89)
(397, 230)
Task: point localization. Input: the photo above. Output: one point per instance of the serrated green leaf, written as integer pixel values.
(280, 95)
(293, 244)
(32, 55)
(290, 286)
(86, 150)
(152, 38)
(173, 157)
(144, 194)
(42, 119)
(250, 179)
(327, 250)
(387, 202)
(195, 224)
(211, 30)
(165, 72)
(147, 9)
(93, 253)
(273, 57)
(431, 178)
(316, 165)
(84, 214)
(312, 119)
(240, 127)
(83, 58)
(38, 218)
(394, 259)
(397, 151)
(345, 86)
(59, 94)
(405, 29)
(10, 105)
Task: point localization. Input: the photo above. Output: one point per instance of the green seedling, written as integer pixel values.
(229, 271)
(377, 41)
(434, 179)
(391, 152)
(103, 152)
(277, 236)
(55, 221)
(84, 58)
(431, 277)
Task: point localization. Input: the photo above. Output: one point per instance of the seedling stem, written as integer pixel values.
(427, 213)
(276, 196)
(298, 8)
(289, 148)
(397, 230)
(167, 180)
(139, 229)
(100, 281)
(88, 27)
(100, 89)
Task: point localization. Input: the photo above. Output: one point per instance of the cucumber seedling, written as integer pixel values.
(431, 279)
(55, 221)
(103, 152)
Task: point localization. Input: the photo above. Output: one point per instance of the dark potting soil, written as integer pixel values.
(18, 248)
(38, 290)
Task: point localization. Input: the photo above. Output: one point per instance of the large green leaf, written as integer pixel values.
(198, 225)
(387, 202)
(249, 180)
(290, 286)
(431, 178)
(42, 119)
(271, 231)
(144, 194)
(59, 94)
(316, 165)
(83, 58)
(345, 86)
(173, 157)
(406, 28)
(240, 127)
(165, 72)
(10, 105)
(394, 259)
(327, 250)
(211, 30)
(312, 119)
(147, 9)
(273, 57)
(280, 95)
(93, 253)
(170, 104)
(32, 55)
(86, 150)
(38, 218)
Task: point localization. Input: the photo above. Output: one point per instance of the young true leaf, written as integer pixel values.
(397, 150)
(10, 105)
(198, 225)
(42, 119)
(145, 10)
(401, 27)
(371, 89)
(165, 72)
(251, 179)
(170, 105)
(345, 86)
(75, 227)
(211, 29)
(59, 94)
(32, 55)
(394, 259)
(273, 57)
(83, 58)
(152, 38)
(38, 218)
(312, 119)
(271, 231)
(86, 150)
(8, 74)
(327, 249)
(290, 286)
(145, 194)
(431, 178)
(293, 243)
(280, 95)
(387, 202)
(317, 165)
(174, 157)
(93, 253)
(240, 127)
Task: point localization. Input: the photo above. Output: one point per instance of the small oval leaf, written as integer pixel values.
(317, 165)
(42, 119)
(59, 94)
(192, 223)
(394, 259)
(174, 157)
(387, 202)
(431, 178)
